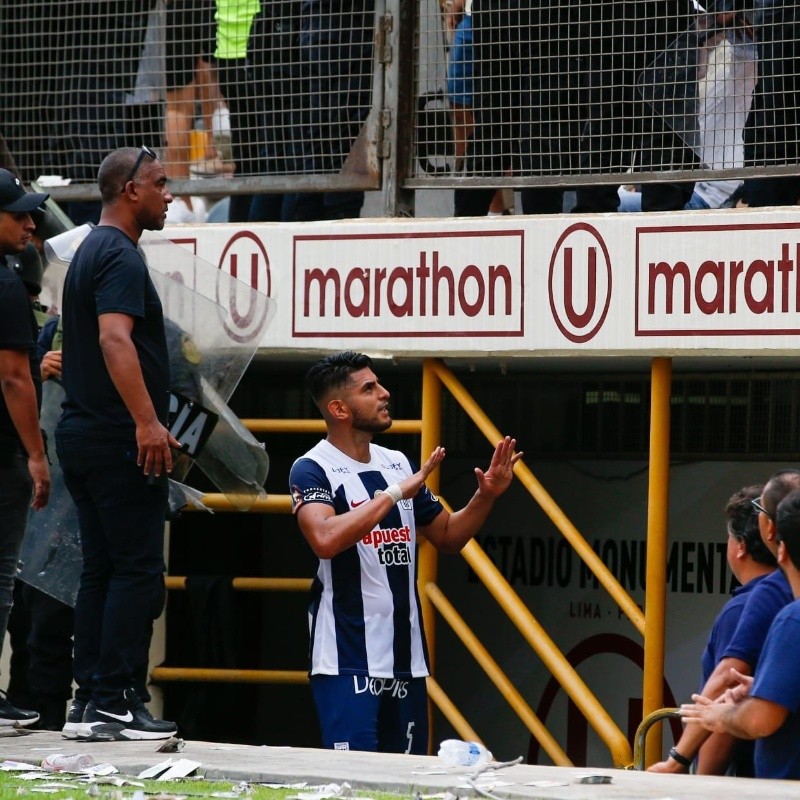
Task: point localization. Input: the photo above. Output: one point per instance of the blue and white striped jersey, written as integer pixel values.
(365, 614)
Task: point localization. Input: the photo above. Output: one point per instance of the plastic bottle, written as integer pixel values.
(58, 762)
(456, 753)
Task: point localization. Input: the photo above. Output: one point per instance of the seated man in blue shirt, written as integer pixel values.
(750, 562)
(767, 707)
(743, 651)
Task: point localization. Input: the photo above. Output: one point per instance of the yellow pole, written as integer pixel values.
(657, 533)
(431, 438)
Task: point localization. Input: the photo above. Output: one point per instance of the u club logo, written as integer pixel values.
(579, 282)
(242, 306)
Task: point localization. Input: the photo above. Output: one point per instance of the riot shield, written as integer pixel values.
(50, 556)
(207, 360)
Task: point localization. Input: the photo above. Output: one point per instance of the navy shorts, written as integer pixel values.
(383, 715)
(459, 65)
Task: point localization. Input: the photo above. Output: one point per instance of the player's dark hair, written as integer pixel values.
(333, 371)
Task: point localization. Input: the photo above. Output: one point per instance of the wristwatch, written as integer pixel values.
(681, 759)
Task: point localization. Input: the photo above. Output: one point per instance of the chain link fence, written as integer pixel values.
(270, 96)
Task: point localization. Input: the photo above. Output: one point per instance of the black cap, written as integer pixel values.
(14, 198)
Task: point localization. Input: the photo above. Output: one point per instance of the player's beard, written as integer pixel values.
(370, 424)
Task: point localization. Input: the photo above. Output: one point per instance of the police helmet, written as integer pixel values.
(28, 265)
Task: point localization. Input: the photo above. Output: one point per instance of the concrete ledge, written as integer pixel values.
(400, 774)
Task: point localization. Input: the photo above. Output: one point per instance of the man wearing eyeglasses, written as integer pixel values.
(750, 562)
(24, 474)
(766, 708)
(114, 450)
(744, 649)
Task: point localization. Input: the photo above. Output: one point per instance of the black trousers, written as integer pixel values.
(40, 630)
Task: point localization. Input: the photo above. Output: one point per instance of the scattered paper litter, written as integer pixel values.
(545, 784)
(595, 779)
(241, 789)
(166, 796)
(166, 770)
(111, 780)
(179, 769)
(57, 785)
(14, 766)
(323, 791)
(301, 785)
(156, 769)
(486, 785)
(99, 770)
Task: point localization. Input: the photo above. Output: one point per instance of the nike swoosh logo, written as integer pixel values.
(356, 503)
(128, 717)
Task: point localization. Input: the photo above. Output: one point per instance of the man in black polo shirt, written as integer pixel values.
(114, 450)
(24, 475)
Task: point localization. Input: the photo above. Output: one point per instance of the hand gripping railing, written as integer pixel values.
(641, 733)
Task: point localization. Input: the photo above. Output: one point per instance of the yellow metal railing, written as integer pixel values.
(548, 505)
(251, 584)
(436, 375)
(608, 731)
(399, 426)
(503, 684)
(208, 675)
(440, 699)
(639, 739)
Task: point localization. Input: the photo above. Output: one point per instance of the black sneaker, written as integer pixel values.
(17, 717)
(74, 719)
(129, 720)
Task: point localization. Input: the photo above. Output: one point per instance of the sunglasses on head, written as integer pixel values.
(145, 151)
